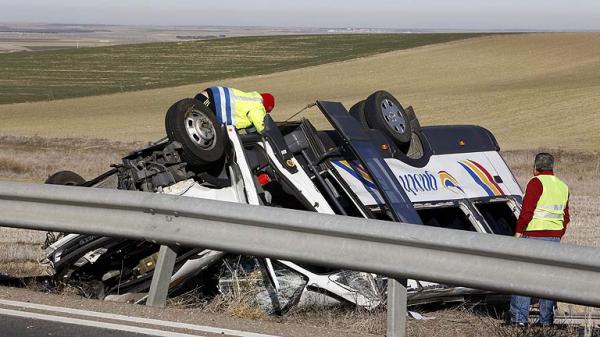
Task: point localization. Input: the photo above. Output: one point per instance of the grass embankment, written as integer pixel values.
(50, 75)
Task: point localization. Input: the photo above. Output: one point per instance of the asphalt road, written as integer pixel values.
(24, 312)
(28, 327)
(35, 320)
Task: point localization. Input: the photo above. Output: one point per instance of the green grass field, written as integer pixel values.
(57, 74)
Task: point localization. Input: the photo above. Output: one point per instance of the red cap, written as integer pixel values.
(268, 101)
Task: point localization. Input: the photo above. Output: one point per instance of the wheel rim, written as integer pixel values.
(200, 129)
(392, 115)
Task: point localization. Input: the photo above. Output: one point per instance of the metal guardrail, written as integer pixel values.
(482, 261)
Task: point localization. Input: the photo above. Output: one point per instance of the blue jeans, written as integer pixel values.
(519, 305)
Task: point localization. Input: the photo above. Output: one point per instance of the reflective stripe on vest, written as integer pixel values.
(232, 105)
(224, 105)
(550, 210)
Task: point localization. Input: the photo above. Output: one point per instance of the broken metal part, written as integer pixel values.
(152, 168)
(90, 257)
(111, 274)
(147, 264)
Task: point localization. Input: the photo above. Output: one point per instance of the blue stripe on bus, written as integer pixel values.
(355, 174)
(478, 180)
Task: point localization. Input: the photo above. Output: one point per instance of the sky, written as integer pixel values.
(397, 14)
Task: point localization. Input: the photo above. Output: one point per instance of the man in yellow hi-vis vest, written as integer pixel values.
(238, 108)
(544, 216)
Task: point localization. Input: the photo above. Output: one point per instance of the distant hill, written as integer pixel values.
(531, 90)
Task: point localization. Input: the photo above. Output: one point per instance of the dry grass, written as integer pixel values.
(339, 317)
(580, 171)
(21, 268)
(505, 83)
(12, 165)
(241, 303)
(242, 307)
(35, 158)
(496, 330)
(450, 322)
(20, 251)
(467, 323)
(455, 322)
(584, 228)
(16, 236)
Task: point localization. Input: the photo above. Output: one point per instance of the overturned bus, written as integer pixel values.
(376, 161)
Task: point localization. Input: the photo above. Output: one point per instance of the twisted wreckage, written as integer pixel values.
(375, 162)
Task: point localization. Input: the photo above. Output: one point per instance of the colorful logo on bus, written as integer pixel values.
(357, 171)
(482, 177)
(416, 183)
(449, 182)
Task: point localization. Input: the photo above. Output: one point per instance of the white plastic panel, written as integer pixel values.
(445, 177)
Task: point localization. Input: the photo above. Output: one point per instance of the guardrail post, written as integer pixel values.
(588, 330)
(396, 308)
(159, 288)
